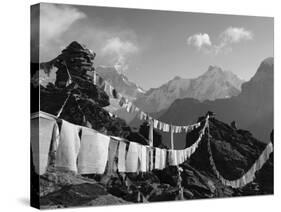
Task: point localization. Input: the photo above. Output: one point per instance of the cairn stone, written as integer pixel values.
(75, 62)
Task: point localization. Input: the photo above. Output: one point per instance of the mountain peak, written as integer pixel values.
(213, 70)
(120, 81)
(177, 78)
(268, 61)
(81, 48)
(263, 74)
(216, 72)
(75, 45)
(213, 84)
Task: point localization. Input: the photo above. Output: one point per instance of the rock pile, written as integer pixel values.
(74, 78)
(75, 60)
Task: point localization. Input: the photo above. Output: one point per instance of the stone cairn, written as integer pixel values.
(74, 97)
(75, 62)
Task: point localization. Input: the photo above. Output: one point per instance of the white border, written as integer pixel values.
(14, 157)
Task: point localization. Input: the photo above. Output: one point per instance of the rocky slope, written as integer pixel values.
(252, 109)
(234, 151)
(213, 84)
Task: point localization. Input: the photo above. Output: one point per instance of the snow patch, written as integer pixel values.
(140, 90)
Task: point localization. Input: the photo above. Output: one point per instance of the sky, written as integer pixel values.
(152, 47)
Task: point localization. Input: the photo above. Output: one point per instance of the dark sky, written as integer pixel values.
(152, 47)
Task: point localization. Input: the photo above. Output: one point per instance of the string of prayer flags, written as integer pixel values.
(155, 124)
(163, 160)
(121, 164)
(137, 109)
(132, 157)
(41, 141)
(157, 164)
(112, 156)
(249, 176)
(122, 101)
(95, 153)
(69, 146)
(131, 108)
(143, 156)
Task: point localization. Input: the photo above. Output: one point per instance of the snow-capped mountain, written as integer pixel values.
(120, 82)
(213, 84)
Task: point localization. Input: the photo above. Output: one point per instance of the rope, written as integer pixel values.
(63, 105)
(95, 78)
(69, 82)
(80, 109)
(68, 73)
(249, 176)
(177, 157)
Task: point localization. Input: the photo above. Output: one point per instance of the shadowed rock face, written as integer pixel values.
(234, 151)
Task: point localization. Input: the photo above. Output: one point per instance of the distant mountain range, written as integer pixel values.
(120, 82)
(181, 101)
(213, 84)
(252, 109)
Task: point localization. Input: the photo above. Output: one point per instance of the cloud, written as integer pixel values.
(235, 35)
(115, 45)
(119, 51)
(226, 39)
(199, 40)
(55, 20)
